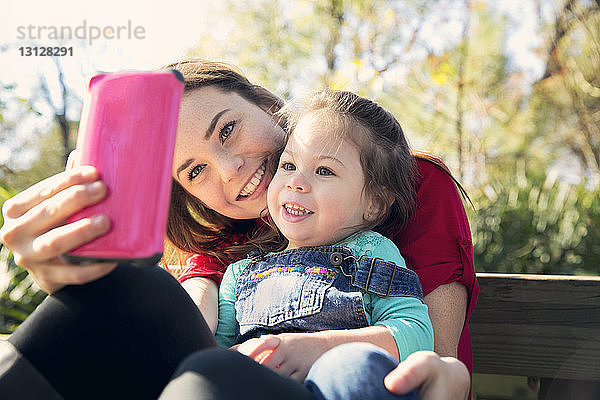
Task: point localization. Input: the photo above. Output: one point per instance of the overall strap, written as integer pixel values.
(377, 276)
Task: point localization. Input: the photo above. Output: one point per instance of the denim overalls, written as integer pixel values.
(313, 289)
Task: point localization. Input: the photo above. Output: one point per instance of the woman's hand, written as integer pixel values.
(290, 354)
(35, 230)
(434, 377)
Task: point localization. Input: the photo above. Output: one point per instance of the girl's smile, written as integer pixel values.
(316, 196)
(293, 212)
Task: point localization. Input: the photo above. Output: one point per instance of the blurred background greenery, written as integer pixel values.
(520, 130)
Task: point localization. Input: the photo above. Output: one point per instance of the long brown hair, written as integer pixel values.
(192, 227)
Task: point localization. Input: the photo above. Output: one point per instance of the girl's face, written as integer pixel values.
(223, 144)
(316, 196)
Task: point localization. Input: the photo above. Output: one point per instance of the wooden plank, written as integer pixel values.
(537, 325)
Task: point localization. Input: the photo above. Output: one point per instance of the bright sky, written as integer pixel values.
(168, 30)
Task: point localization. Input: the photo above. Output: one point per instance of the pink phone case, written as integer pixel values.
(127, 132)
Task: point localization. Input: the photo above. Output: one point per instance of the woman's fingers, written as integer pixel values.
(412, 372)
(73, 159)
(48, 275)
(68, 237)
(434, 377)
(34, 227)
(18, 205)
(54, 211)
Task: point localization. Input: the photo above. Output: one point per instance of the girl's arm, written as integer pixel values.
(407, 329)
(407, 320)
(292, 354)
(226, 327)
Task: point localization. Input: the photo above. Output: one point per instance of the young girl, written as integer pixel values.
(346, 169)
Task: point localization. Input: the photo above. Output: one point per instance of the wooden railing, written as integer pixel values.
(542, 326)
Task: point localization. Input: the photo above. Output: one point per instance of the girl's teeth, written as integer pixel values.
(296, 210)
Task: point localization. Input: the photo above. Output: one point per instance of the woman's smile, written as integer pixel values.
(254, 183)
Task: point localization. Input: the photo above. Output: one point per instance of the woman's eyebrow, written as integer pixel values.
(213, 123)
(183, 166)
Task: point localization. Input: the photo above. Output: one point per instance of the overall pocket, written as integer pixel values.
(279, 293)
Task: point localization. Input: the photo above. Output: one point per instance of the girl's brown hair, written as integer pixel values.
(388, 166)
(192, 227)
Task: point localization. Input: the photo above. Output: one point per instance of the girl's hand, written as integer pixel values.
(35, 230)
(289, 354)
(434, 377)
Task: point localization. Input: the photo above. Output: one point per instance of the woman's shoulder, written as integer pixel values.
(435, 183)
(432, 169)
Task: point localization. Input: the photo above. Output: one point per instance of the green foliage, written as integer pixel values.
(19, 295)
(49, 161)
(537, 224)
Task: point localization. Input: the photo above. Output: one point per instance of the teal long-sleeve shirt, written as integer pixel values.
(405, 317)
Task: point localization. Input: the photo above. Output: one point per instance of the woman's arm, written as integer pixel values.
(447, 309)
(205, 294)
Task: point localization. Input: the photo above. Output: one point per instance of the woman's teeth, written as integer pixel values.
(296, 210)
(255, 181)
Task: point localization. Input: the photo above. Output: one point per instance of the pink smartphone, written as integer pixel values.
(127, 131)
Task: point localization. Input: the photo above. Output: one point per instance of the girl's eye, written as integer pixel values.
(324, 171)
(287, 166)
(226, 131)
(194, 172)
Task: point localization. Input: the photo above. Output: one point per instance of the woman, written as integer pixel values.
(226, 134)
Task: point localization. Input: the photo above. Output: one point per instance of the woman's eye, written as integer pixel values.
(194, 172)
(324, 171)
(226, 131)
(288, 166)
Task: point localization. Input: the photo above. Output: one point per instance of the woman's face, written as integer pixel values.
(222, 148)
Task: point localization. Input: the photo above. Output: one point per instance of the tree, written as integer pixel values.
(567, 97)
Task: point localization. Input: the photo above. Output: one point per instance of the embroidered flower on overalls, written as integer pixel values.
(301, 269)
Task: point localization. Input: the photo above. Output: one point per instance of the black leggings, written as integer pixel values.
(124, 335)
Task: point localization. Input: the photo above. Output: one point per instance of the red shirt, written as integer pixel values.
(436, 244)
